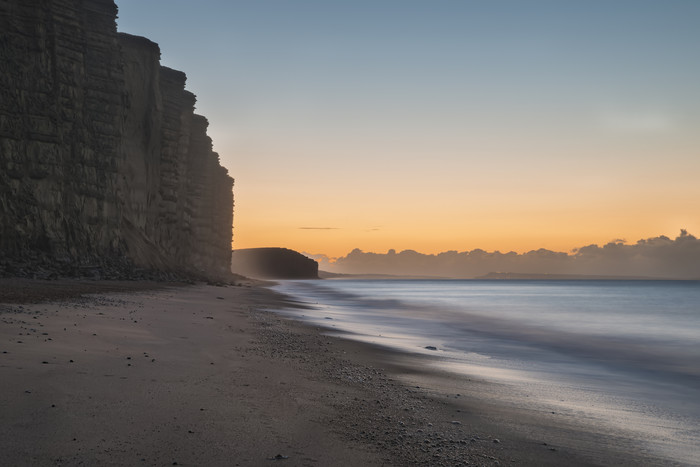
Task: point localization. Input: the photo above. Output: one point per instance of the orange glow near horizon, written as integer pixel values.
(561, 225)
(335, 247)
(510, 196)
(508, 126)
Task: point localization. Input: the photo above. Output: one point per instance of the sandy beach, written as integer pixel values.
(154, 374)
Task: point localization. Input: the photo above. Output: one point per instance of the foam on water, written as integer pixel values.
(622, 353)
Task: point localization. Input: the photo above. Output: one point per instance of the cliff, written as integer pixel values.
(273, 263)
(104, 167)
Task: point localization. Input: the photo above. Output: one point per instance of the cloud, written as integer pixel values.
(319, 228)
(659, 257)
(325, 263)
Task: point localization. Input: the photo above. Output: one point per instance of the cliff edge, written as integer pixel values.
(105, 170)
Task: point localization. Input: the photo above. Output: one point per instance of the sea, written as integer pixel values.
(623, 356)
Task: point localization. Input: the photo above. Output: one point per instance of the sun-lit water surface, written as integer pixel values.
(624, 355)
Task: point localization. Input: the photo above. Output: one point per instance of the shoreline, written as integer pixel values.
(522, 434)
(206, 375)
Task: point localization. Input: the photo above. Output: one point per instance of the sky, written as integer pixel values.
(444, 125)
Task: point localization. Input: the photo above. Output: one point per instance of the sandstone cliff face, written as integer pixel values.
(104, 167)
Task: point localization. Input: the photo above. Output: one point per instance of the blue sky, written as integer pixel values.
(444, 124)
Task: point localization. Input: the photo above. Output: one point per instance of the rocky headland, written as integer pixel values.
(105, 169)
(273, 263)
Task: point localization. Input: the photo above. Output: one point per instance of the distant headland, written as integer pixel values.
(273, 263)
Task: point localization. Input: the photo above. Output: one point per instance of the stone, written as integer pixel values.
(106, 172)
(273, 263)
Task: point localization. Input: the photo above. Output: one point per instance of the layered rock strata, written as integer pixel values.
(104, 167)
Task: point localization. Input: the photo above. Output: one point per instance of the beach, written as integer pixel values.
(174, 374)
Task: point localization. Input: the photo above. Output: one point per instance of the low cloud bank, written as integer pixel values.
(658, 257)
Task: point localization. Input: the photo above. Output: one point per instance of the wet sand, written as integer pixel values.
(202, 375)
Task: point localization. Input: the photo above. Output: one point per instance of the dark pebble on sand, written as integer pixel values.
(45, 362)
